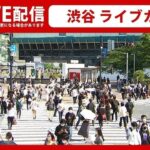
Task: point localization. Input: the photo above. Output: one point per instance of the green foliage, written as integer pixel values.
(48, 66)
(139, 75)
(141, 49)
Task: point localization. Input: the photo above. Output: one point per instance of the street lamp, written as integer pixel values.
(100, 67)
(133, 63)
(127, 64)
(11, 61)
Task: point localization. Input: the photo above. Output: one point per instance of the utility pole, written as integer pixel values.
(133, 63)
(127, 64)
(100, 68)
(11, 60)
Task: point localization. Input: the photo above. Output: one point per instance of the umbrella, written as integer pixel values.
(88, 114)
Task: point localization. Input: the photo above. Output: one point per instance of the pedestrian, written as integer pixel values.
(91, 107)
(143, 121)
(62, 131)
(84, 130)
(50, 139)
(145, 134)
(70, 119)
(74, 95)
(50, 109)
(99, 138)
(80, 108)
(101, 114)
(34, 107)
(56, 102)
(9, 139)
(3, 105)
(19, 107)
(61, 109)
(123, 115)
(11, 115)
(108, 110)
(115, 108)
(133, 135)
(28, 100)
(1, 91)
(129, 106)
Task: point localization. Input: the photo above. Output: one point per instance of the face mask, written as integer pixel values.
(70, 111)
(64, 142)
(144, 120)
(62, 124)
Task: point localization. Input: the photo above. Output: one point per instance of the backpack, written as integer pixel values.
(19, 105)
(115, 102)
(90, 106)
(50, 106)
(70, 118)
(145, 138)
(129, 106)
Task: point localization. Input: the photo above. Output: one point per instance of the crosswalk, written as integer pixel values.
(33, 132)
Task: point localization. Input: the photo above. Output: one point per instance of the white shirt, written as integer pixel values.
(60, 107)
(1, 93)
(11, 112)
(74, 93)
(25, 92)
(34, 105)
(123, 111)
(134, 138)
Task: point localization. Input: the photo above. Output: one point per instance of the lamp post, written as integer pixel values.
(11, 61)
(127, 65)
(133, 63)
(100, 66)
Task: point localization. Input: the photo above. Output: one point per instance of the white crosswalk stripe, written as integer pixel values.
(29, 131)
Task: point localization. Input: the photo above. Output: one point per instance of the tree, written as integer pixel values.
(141, 49)
(48, 66)
(139, 75)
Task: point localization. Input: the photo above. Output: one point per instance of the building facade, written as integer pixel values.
(64, 47)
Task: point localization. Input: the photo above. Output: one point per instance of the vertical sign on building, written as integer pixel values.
(111, 45)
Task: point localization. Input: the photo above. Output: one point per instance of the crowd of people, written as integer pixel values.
(100, 100)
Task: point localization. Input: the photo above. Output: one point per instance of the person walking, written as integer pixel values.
(3, 105)
(70, 118)
(145, 134)
(115, 108)
(108, 110)
(50, 109)
(19, 107)
(62, 131)
(84, 130)
(28, 100)
(61, 109)
(74, 95)
(11, 115)
(99, 138)
(80, 108)
(123, 115)
(9, 139)
(34, 107)
(56, 102)
(91, 107)
(133, 135)
(50, 139)
(129, 106)
(101, 114)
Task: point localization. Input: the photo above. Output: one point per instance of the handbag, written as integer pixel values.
(104, 116)
(111, 111)
(14, 121)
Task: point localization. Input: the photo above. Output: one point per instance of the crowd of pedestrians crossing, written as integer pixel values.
(98, 100)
